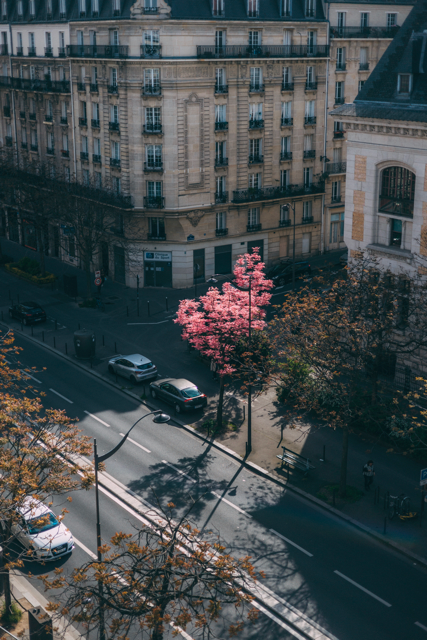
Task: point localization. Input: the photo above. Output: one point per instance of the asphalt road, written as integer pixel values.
(341, 578)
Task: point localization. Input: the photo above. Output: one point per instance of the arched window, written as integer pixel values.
(397, 192)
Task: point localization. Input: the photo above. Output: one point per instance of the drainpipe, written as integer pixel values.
(72, 113)
(13, 95)
(325, 127)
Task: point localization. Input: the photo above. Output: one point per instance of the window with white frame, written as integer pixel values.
(151, 37)
(80, 37)
(339, 92)
(62, 7)
(95, 7)
(33, 137)
(364, 20)
(286, 8)
(32, 106)
(49, 7)
(83, 109)
(287, 38)
(48, 73)
(363, 57)
(116, 7)
(19, 40)
(32, 5)
(67, 174)
(157, 227)
(219, 78)
(113, 77)
(86, 177)
(336, 233)
(220, 113)
(255, 111)
(311, 42)
(94, 75)
(307, 209)
(336, 191)
(97, 147)
(152, 78)
(361, 83)
(49, 108)
(286, 111)
(253, 8)
(308, 177)
(97, 179)
(310, 78)
(24, 135)
(340, 58)
(114, 37)
(253, 216)
(62, 40)
(220, 152)
(308, 143)
(21, 71)
(115, 150)
(117, 188)
(153, 155)
(82, 5)
(85, 146)
(154, 189)
(220, 39)
(404, 83)
(221, 220)
(153, 118)
(309, 110)
(284, 213)
(341, 17)
(220, 185)
(284, 178)
(306, 243)
(254, 181)
(256, 78)
(391, 20)
(310, 8)
(61, 73)
(65, 142)
(20, 8)
(217, 7)
(254, 38)
(255, 149)
(114, 113)
(31, 40)
(63, 109)
(287, 76)
(286, 145)
(337, 155)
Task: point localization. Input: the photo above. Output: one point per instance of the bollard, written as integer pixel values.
(79, 326)
(127, 312)
(66, 349)
(22, 326)
(167, 304)
(91, 363)
(54, 342)
(333, 497)
(56, 324)
(385, 525)
(32, 330)
(43, 336)
(103, 341)
(137, 307)
(115, 347)
(148, 307)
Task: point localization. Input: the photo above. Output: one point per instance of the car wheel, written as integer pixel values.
(110, 368)
(282, 282)
(153, 393)
(133, 380)
(178, 408)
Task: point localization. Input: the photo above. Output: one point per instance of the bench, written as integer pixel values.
(296, 460)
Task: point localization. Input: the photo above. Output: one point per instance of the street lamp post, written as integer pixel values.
(160, 418)
(291, 205)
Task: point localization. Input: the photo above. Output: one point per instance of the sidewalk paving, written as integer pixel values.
(157, 334)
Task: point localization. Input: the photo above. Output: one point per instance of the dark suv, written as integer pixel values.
(28, 312)
(282, 273)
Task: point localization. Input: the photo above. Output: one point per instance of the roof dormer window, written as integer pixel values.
(218, 9)
(404, 83)
(253, 8)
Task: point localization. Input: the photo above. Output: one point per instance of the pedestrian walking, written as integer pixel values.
(368, 474)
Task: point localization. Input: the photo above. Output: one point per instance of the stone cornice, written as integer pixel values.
(385, 127)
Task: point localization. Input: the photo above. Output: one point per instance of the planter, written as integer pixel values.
(40, 281)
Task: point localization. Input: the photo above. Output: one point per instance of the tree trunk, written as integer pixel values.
(41, 252)
(344, 457)
(220, 403)
(86, 263)
(6, 583)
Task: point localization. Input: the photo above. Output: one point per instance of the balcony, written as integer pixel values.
(81, 86)
(152, 90)
(8, 141)
(19, 51)
(335, 199)
(32, 52)
(153, 128)
(64, 120)
(97, 51)
(263, 51)
(24, 145)
(311, 86)
(272, 193)
(221, 88)
(62, 52)
(84, 156)
(22, 115)
(310, 153)
(34, 147)
(339, 100)
(154, 202)
(114, 126)
(221, 197)
(151, 51)
(256, 124)
(284, 223)
(94, 87)
(220, 161)
(83, 122)
(48, 52)
(113, 88)
(50, 151)
(255, 158)
(287, 122)
(396, 206)
(115, 163)
(153, 166)
(96, 159)
(95, 124)
(253, 227)
(256, 87)
(307, 220)
(287, 86)
(156, 236)
(221, 232)
(363, 32)
(65, 153)
(4, 51)
(308, 120)
(286, 155)
(151, 10)
(341, 66)
(46, 85)
(364, 66)
(48, 117)
(6, 112)
(32, 116)
(338, 134)
(221, 126)
(336, 167)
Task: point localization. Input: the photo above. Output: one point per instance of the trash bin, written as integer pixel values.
(84, 344)
(70, 286)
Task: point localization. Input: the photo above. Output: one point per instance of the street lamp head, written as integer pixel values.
(161, 418)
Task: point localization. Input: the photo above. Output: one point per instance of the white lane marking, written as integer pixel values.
(85, 549)
(359, 586)
(30, 376)
(278, 621)
(294, 544)
(136, 444)
(421, 626)
(97, 419)
(178, 470)
(230, 504)
(61, 396)
(141, 324)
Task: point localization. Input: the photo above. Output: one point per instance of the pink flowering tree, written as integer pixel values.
(216, 322)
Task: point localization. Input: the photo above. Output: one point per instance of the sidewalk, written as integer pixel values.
(157, 336)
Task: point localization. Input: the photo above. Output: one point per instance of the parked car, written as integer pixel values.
(183, 394)
(41, 532)
(282, 273)
(136, 367)
(28, 313)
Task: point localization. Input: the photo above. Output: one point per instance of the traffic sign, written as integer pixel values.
(98, 283)
(423, 477)
(97, 274)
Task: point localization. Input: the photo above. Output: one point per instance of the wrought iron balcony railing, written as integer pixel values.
(64, 120)
(284, 223)
(96, 158)
(81, 86)
(50, 151)
(364, 66)
(287, 122)
(19, 51)
(270, 193)
(113, 88)
(263, 51)
(6, 112)
(363, 32)
(156, 165)
(83, 122)
(339, 134)
(307, 220)
(254, 227)
(255, 158)
(311, 86)
(27, 84)
(221, 232)
(65, 153)
(257, 87)
(84, 156)
(220, 161)
(62, 52)
(221, 126)
(34, 147)
(22, 115)
(221, 88)
(115, 163)
(154, 202)
(9, 141)
(48, 52)
(256, 123)
(97, 51)
(156, 236)
(336, 167)
(114, 126)
(95, 124)
(310, 120)
(310, 153)
(339, 100)
(221, 197)
(287, 86)
(152, 90)
(341, 66)
(151, 51)
(31, 52)
(153, 128)
(94, 87)
(336, 198)
(286, 155)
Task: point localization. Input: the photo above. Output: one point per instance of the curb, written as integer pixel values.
(246, 463)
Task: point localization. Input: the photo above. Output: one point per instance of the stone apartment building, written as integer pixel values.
(205, 118)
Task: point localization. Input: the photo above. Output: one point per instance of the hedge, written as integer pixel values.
(49, 278)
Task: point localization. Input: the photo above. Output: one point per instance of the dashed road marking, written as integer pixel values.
(97, 419)
(178, 470)
(230, 504)
(30, 376)
(85, 549)
(61, 396)
(359, 586)
(421, 626)
(294, 544)
(137, 444)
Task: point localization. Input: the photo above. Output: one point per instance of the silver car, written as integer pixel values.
(136, 368)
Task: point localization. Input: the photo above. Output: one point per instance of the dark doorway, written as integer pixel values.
(13, 224)
(259, 244)
(55, 234)
(105, 258)
(119, 265)
(158, 269)
(223, 259)
(199, 265)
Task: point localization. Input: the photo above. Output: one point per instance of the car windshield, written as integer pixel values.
(31, 307)
(43, 522)
(191, 392)
(147, 365)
